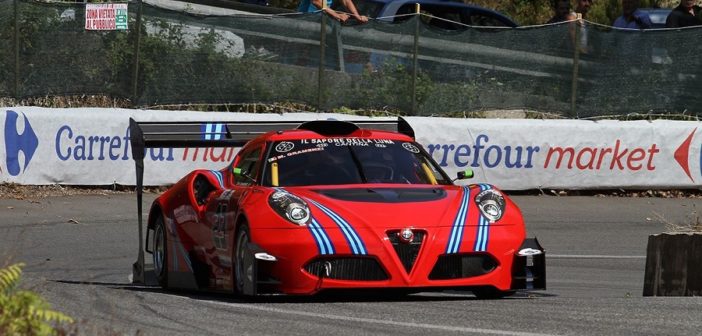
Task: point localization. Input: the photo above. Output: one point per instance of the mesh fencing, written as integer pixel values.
(575, 70)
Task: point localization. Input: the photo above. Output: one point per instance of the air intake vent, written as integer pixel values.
(350, 268)
(407, 249)
(456, 266)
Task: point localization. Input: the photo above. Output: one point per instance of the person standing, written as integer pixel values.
(686, 14)
(582, 7)
(311, 6)
(632, 17)
(561, 12)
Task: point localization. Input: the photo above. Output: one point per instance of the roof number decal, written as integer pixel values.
(410, 147)
(284, 147)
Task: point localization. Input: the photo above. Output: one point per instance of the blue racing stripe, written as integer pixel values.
(458, 222)
(452, 237)
(218, 175)
(217, 135)
(341, 224)
(212, 131)
(483, 227)
(462, 223)
(205, 129)
(486, 235)
(350, 234)
(321, 247)
(323, 237)
(479, 238)
(185, 255)
(349, 230)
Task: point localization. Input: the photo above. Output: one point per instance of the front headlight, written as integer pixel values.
(491, 204)
(290, 207)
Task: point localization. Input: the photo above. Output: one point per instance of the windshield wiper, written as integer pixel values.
(357, 162)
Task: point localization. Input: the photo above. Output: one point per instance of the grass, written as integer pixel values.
(693, 224)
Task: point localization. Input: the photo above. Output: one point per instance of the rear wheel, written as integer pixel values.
(242, 272)
(160, 253)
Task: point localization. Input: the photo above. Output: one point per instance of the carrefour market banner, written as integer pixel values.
(569, 154)
(90, 146)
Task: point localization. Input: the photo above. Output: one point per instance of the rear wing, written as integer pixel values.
(182, 134)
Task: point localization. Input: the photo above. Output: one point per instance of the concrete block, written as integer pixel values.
(673, 265)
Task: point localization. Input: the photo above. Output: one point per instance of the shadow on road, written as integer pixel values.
(357, 295)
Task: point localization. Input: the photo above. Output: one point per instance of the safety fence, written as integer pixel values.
(573, 69)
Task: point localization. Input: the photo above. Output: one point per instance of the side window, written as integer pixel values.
(248, 164)
(402, 12)
(481, 19)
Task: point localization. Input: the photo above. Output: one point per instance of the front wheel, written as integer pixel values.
(160, 253)
(242, 272)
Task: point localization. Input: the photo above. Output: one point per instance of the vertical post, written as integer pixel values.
(576, 58)
(136, 139)
(415, 62)
(17, 45)
(138, 267)
(322, 42)
(137, 47)
(340, 47)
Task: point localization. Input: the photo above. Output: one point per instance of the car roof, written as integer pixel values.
(657, 15)
(430, 2)
(390, 8)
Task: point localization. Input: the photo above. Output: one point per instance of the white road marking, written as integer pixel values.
(591, 256)
(376, 321)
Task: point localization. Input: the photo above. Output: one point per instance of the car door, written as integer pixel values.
(227, 210)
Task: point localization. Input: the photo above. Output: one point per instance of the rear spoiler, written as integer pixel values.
(182, 134)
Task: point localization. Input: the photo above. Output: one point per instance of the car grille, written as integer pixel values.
(407, 251)
(456, 266)
(348, 268)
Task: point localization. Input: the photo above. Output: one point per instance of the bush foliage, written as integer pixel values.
(24, 312)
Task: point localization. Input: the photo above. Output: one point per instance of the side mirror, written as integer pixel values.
(466, 174)
(239, 173)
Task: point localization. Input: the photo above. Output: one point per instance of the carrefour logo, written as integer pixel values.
(19, 140)
(682, 155)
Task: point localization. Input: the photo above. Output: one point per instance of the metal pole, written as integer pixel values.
(340, 47)
(576, 58)
(135, 78)
(415, 62)
(17, 45)
(322, 42)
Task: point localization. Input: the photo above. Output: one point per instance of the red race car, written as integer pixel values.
(325, 205)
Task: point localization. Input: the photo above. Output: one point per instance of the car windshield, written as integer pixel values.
(330, 161)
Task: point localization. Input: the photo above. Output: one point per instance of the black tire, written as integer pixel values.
(491, 293)
(160, 252)
(240, 274)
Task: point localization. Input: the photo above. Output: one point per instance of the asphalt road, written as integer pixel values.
(79, 251)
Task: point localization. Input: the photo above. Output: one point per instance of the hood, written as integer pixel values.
(391, 208)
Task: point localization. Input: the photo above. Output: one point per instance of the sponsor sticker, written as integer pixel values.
(284, 147)
(410, 147)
